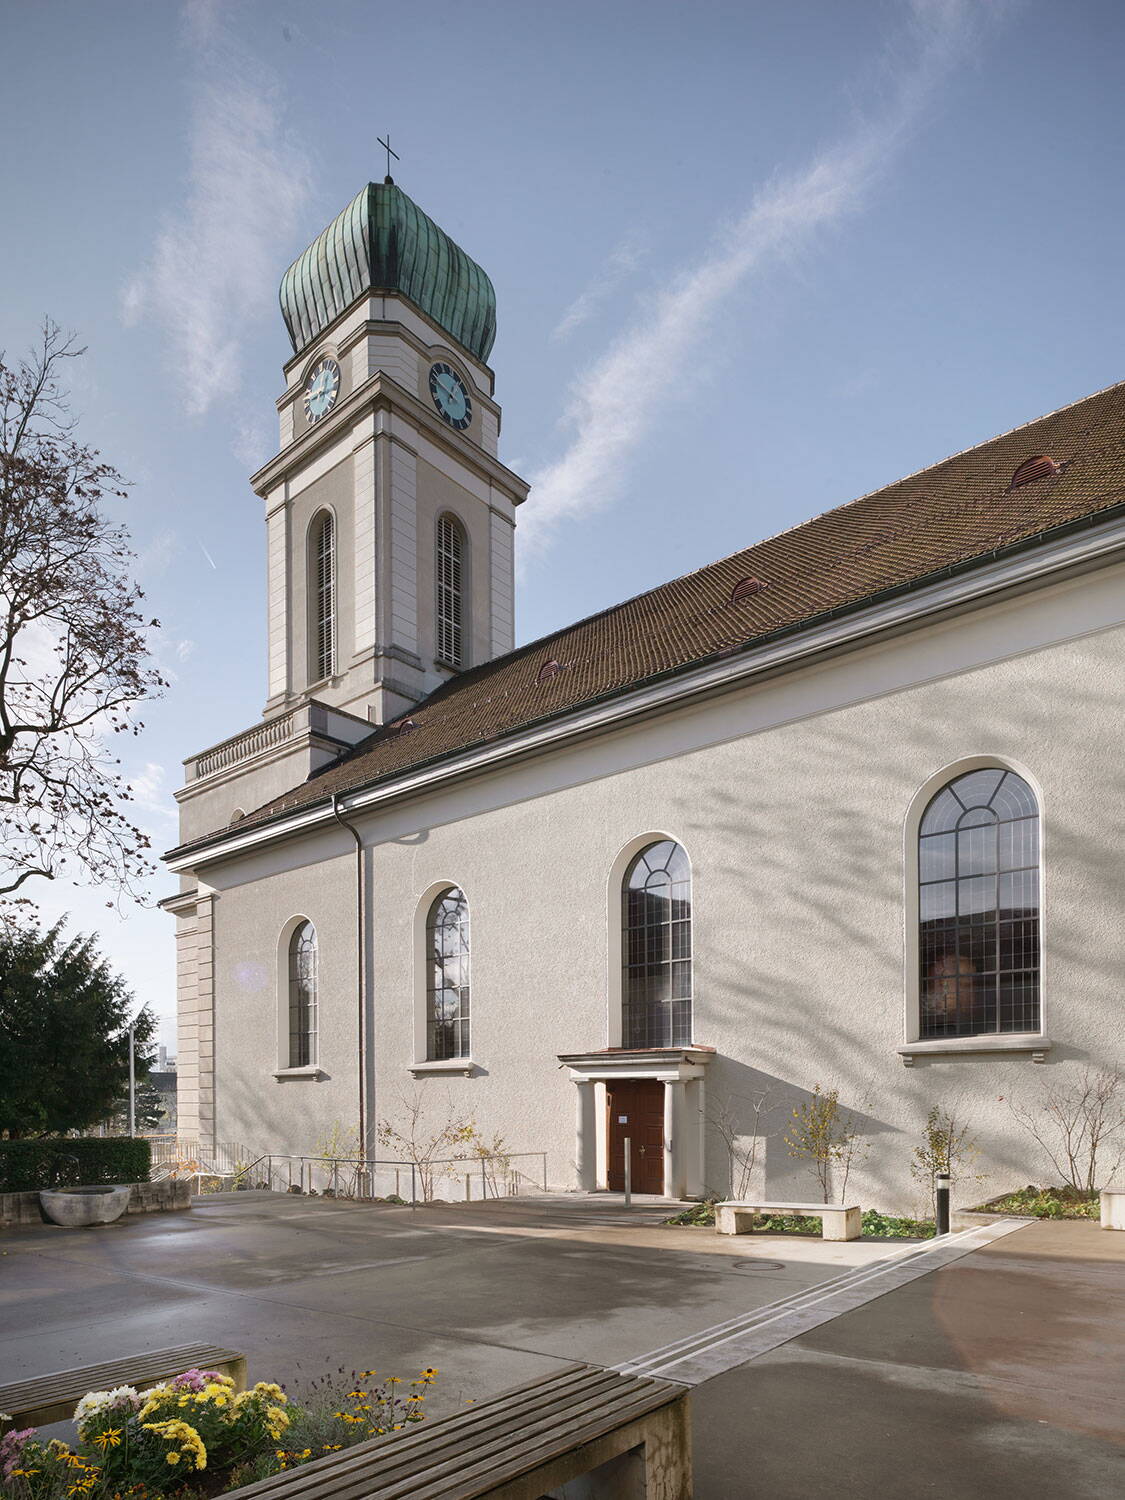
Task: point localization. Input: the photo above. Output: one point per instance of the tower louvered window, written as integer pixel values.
(450, 593)
(324, 598)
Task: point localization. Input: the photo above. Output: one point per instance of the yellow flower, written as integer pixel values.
(111, 1438)
(173, 1458)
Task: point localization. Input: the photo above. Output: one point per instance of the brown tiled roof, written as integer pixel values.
(958, 511)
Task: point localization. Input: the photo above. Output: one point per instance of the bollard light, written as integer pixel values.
(942, 1203)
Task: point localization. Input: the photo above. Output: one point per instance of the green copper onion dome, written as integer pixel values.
(384, 242)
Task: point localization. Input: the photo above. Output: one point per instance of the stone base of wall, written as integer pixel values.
(144, 1198)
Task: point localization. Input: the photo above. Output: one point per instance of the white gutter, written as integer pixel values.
(1086, 549)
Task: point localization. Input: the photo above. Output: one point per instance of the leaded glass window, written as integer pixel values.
(447, 985)
(978, 873)
(302, 996)
(656, 948)
(324, 598)
(450, 593)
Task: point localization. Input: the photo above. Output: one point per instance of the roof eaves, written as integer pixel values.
(811, 622)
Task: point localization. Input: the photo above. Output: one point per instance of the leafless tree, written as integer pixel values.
(738, 1121)
(425, 1145)
(1081, 1128)
(74, 658)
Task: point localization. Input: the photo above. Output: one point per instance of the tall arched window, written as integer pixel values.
(302, 997)
(447, 980)
(323, 597)
(656, 948)
(978, 873)
(450, 592)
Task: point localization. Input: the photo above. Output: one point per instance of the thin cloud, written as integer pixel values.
(150, 793)
(621, 263)
(213, 272)
(783, 219)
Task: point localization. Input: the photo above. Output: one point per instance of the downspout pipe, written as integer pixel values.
(361, 970)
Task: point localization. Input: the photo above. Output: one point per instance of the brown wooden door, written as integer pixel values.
(636, 1110)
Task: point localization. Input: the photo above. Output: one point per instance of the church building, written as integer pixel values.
(841, 811)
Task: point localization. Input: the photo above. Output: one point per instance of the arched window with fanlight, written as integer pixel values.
(322, 597)
(302, 997)
(447, 977)
(978, 899)
(656, 948)
(450, 577)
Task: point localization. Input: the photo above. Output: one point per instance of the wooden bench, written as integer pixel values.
(52, 1398)
(840, 1221)
(522, 1445)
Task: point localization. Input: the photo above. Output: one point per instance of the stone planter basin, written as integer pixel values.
(75, 1208)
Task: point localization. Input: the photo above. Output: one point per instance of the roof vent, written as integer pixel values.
(1040, 467)
(746, 588)
(548, 670)
(404, 726)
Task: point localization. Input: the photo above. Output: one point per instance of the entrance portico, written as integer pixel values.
(680, 1072)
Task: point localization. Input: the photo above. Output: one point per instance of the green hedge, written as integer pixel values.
(88, 1161)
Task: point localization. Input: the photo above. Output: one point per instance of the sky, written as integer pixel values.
(751, 260)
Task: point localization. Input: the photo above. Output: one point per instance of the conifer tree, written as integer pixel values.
(64, 1037)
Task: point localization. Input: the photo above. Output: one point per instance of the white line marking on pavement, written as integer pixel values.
(739, 1340)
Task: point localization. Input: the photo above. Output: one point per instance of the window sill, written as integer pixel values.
(961, 1046)
(311, 1071)
(463, 1065)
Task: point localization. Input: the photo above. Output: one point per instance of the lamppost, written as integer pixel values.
(132, 1083)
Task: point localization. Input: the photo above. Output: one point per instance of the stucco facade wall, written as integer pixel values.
(252, 924)
(792, 800)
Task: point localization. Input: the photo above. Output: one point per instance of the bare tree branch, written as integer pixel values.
(74, 645)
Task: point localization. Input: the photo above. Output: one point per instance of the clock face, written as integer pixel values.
(450, 396)
(321, 389)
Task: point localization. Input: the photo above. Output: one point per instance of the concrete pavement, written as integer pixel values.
(998, 1377)
(881, 1370)
(490, 1293)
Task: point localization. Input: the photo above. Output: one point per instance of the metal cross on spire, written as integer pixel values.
(386, 145)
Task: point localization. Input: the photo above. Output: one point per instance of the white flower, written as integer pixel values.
(96, 1402)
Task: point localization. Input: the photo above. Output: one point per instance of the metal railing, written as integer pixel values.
(226, 1165)
(458, 1178)
(211, 1167)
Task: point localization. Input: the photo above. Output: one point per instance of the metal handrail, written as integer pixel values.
(363, 1166)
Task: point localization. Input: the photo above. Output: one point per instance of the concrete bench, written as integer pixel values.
(524, 1444)
(840, 1221)
(1113, 1208)
(53, 1398)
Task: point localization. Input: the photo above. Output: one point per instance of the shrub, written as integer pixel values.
(827, 1138)
(27, 1165)
(1034, 1202)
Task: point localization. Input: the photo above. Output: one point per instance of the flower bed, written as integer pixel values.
(1044, 1203)
(197, 1436)
(875, 1225)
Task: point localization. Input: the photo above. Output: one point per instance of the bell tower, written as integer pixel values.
(389, 519)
